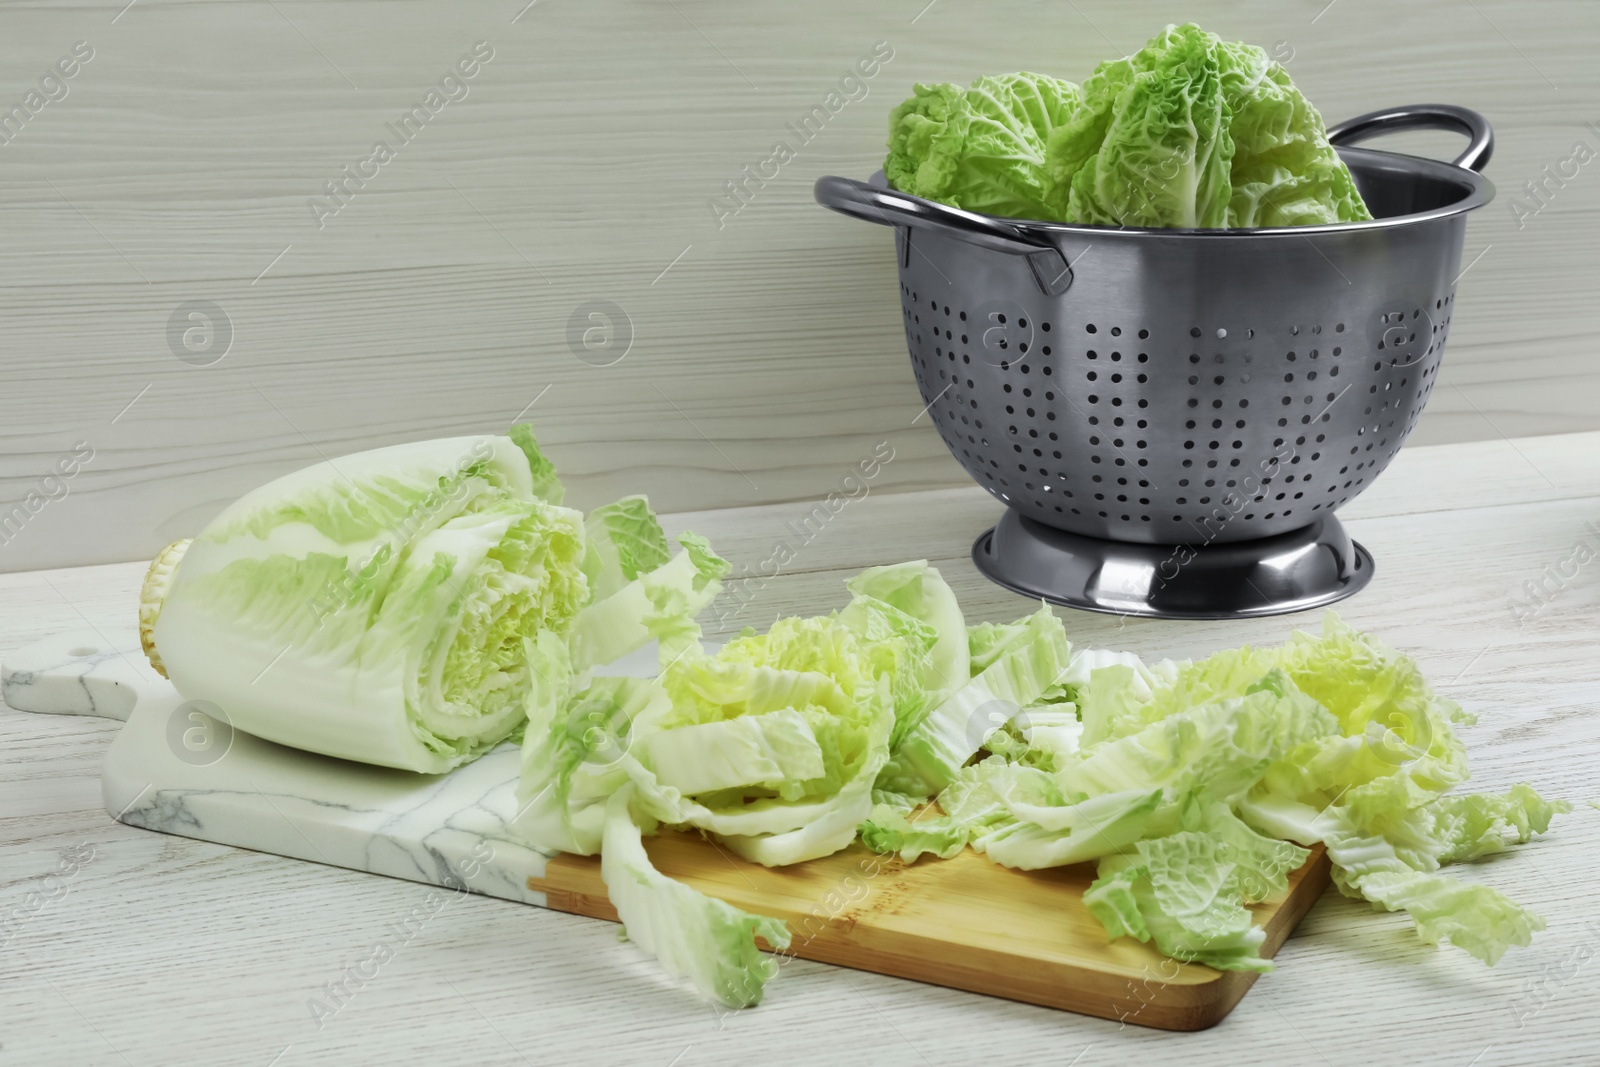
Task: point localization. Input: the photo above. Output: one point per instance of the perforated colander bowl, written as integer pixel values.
(1166, 386)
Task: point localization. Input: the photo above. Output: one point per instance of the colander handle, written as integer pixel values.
(1480, 136)
(886, 207)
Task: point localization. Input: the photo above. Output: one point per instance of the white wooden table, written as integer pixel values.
(164, 950)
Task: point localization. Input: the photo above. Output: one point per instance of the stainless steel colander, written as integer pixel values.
(1193, 388)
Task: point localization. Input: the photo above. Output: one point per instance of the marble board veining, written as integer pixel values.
(177, 770)
(80, 672)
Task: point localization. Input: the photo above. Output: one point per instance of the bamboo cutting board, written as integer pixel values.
(965, 923)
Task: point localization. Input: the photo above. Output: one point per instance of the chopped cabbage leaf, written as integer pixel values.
(890, 829)
(930, 755)
(625, 541)
(690, 934)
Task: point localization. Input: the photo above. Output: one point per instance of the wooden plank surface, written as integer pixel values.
(965, 923)
(181, 952)
(767, 356)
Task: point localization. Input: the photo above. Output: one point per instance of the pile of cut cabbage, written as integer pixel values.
(416, 606)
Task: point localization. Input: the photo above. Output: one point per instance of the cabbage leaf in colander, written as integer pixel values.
(1150, 145)
(981, 148)
(1189, 131)
(1193, 131)
(1284, 171)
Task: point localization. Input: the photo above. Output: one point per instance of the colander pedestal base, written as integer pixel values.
(1295, 571)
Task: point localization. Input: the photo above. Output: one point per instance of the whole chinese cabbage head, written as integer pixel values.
(386, 606)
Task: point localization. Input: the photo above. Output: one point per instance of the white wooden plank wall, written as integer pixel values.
(766, 359)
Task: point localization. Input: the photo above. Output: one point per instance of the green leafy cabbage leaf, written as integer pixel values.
(981, 148)
(1150, 146)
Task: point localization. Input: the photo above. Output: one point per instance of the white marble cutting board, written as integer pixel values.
(177, 770)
